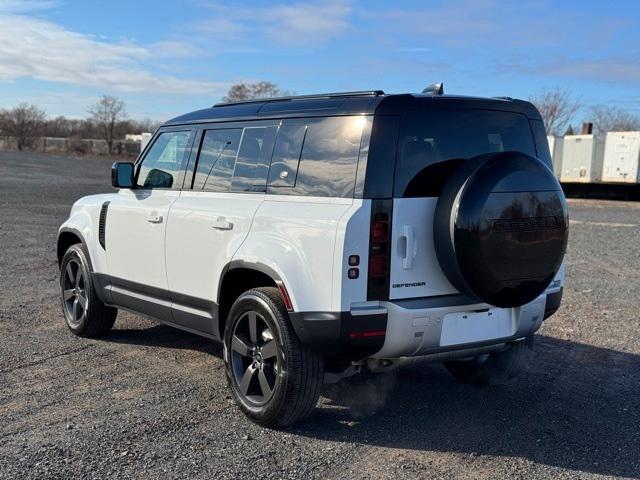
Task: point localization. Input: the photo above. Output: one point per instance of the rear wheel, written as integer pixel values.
(275, 380)
(493, 368)
(85, 314)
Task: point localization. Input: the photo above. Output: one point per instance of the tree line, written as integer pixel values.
(559, 108)
(108, 119)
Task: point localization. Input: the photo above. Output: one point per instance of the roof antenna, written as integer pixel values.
(434, 88)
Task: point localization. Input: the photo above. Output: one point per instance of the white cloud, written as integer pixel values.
(23, 6)
(299, 25)
(32, 48)
(307, 23)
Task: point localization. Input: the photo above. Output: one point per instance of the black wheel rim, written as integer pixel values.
(254, 358)
(74, 293)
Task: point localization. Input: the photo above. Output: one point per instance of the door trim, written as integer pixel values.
(193, 314)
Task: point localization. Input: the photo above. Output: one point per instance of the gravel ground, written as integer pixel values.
(151, 402)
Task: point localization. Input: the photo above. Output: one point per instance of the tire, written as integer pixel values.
(494, 368)
(269, 351)
(500, 228)
(84, 313)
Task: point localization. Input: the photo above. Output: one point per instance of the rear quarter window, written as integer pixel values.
(317, 157)
(433, 143)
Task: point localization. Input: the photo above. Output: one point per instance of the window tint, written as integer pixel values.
(252, 165)
(216, 160)
(163, 164)
(318, 157)
(433, 143)
(542, 145)
(330, 157)
(286, 154)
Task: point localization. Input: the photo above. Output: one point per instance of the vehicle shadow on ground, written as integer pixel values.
(578, 407)
(164, 337)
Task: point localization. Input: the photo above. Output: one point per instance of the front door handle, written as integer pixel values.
(153, 217)
(221, 223)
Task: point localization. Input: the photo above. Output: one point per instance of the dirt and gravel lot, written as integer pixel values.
(151, 402)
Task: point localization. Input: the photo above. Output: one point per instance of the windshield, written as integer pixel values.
(433, 142)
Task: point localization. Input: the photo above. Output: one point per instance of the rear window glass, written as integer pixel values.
(432, 144)
(317, 157)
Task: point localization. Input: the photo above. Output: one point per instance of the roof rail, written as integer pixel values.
(363, 93)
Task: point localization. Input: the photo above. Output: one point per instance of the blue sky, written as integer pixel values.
(165, 58)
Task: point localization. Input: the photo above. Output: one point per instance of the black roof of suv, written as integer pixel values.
(348, 103)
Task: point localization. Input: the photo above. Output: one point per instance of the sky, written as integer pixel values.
(168, 58)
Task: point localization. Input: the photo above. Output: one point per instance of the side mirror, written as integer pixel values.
(122, 175)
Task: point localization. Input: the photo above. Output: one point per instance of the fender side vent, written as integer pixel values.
(102, 224)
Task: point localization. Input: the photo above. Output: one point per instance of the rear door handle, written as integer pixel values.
(221, 223)
(153, 217)
(410, 251)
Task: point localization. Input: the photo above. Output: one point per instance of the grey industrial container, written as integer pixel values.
(555, 148)
(621, 158)
(582, 157)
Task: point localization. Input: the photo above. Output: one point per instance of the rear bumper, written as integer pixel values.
(416, 327)
(453, 322)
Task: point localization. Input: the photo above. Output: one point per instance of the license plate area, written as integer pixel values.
(470, 327)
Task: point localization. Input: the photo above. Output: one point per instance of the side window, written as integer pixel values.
(286, 154)
(330, 157)
(252, 165)
(163, 164)
(216, 160)
(319, 158)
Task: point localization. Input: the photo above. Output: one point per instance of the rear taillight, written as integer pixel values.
(379, 231)
(379, 250)
(378, 265)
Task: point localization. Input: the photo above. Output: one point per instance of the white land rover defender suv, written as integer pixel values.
(319, 235)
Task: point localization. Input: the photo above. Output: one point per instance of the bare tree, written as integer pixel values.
(247, 91)
(612, 119)
(557, 109)
(107, 115)
(23, 123)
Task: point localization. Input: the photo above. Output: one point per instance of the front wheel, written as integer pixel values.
(85, 314)
(275, 380)
(493, 368)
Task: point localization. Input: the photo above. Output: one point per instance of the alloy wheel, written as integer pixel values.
(74, 293)
(254, 358)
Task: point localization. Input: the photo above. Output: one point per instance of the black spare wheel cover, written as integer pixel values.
(501, 228)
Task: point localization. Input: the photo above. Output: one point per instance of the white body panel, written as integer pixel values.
(555, 148)
(621, 157)
(204, 231)
(135, 236)
(352, 238)
(296, 238)
(582, 157)
(84, 218)
(415, 271)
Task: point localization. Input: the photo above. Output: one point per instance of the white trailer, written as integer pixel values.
(144, 139)
(582, 158)
(555, 148)
(621, 158)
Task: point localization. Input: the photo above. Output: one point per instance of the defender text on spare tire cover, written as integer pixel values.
(501, 228)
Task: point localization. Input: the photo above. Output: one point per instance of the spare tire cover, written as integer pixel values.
(501, 228)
